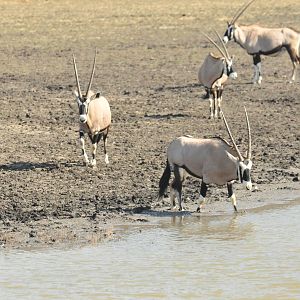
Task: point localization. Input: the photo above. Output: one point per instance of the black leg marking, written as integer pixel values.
(177, 184)
(230, 189)
(203, 191)
(256, 59)
(231, 195)
(105, 134)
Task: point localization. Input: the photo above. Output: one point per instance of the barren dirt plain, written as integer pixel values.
(149, 53)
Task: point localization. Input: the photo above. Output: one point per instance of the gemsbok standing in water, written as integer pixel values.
(213, 160)
(94, 116)
(214, 73)
(259, 41)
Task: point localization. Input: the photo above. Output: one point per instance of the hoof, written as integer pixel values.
(198, 209)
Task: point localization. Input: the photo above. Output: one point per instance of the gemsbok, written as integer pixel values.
(213, 74)
(213, 160)
(257, 41)
(94, 116)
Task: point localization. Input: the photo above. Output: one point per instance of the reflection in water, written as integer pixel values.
(218, 227)
(250, 256)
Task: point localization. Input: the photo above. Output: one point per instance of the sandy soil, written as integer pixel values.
(149, 55)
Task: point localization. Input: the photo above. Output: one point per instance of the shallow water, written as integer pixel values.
(247, 256)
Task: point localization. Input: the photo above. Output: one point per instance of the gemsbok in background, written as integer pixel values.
(213, 160)
(94, 116)
(257, 41)
(213, 74)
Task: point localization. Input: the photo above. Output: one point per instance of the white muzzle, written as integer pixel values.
(83, 118)
(225, 39)
(233, 75)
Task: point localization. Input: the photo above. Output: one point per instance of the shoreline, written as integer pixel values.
(105, 226)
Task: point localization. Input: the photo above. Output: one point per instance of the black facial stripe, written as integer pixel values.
(241, 173)
(229, 70)
(246, 175)
(83, 109)
(229, 33)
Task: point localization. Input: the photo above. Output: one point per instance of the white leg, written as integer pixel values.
(233, 201)
(93, 161)
(172, 198)
(216, 107)
(255, 77)
(211, 108)
(86, 159)
(259, 73)
(219, 106)
(294, 73)
(201, 203)
(105, 152)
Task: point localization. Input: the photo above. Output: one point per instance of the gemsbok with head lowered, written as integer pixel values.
(213, 74)
(213, 160)
(257, 41)
(94, 116)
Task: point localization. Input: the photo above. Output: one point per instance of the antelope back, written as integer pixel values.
(211, 70)
(99, 114)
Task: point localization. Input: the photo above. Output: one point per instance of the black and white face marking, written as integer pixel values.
(244, 173)
(83, 108)
(228, 35)
(83, 105)
(229, 70)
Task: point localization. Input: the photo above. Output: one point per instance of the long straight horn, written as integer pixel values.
(215, 44)
(241, 11)
(224, 47)
(249, 135)
(231, 137)
(92, 75)
(76, 76)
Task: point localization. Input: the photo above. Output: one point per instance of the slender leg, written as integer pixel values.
(202, 196)
(216, 106)
(95, 140)
(104, 145)
(259, 73)
(172, 197)
(211, 107)
(231, 195)
(257, 69)
(294, 59)
(177, 185)
(294, 72)
(220, 101)
(81, 136)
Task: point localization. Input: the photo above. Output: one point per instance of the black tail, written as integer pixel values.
(164, 180)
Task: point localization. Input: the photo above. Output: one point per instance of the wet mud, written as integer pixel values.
(147, 64)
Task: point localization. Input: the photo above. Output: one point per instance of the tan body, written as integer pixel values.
(98, 116)
(213, 73)
(94, 117)
(257, 40)
(212, 160)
